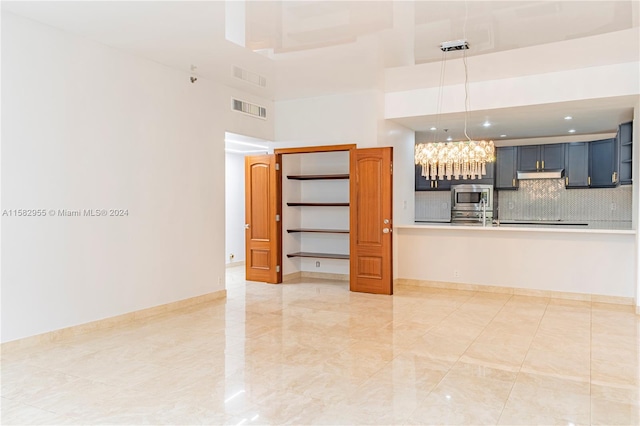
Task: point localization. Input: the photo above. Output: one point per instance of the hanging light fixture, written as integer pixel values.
(459, 160)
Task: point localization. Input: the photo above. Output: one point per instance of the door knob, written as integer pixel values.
(246, 226)
(386, 221)
(385, 230)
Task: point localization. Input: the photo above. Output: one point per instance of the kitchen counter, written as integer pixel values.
(576, 260)
(590, 229)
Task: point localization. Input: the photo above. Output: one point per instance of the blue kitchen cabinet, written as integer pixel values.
(424, 184)
(529, 157)
(506, 167)
(576, 169)
(541, 157)
(603, 163)
(552, 156)
(625, 145)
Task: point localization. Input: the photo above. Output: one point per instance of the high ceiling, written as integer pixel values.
(314, 48)
(491, 26)
(503, 25)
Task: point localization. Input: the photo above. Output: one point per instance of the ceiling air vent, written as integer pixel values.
(249, 76)
(250, 109)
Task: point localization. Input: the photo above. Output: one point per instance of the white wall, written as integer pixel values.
(328, 120)
(402, 139)
(234, 208)
(244, 124)
(587, 263)
(89, 127)
(586, 83)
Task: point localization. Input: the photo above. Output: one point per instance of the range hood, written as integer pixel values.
(540, 174)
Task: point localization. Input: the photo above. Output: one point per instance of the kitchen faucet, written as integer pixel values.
(483, 202)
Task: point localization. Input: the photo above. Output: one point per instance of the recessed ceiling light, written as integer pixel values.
(449, 138)
(486, 124)
(503, 136)
(572, 131)
(568, 117)
(433, 128)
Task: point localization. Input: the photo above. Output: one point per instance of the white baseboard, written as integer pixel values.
(319, 275)
(111, 322)
(597, 298)
(292, 276)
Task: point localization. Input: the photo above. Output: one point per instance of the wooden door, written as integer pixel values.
(262, 219)
(371, 220)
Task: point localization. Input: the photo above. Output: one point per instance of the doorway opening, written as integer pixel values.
(236, 148)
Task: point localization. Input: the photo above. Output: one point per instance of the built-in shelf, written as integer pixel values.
(318, 177)
(627, 161)
(319, 255)
(627, 143)
(323, 231)
(319, 204)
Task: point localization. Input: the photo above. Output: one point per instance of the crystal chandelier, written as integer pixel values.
(459, 160)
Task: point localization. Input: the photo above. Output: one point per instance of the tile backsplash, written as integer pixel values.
(435, 206)
(544, 199)
(549, 200)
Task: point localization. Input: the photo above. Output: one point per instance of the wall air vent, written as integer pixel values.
(249, 109)
(249, 76)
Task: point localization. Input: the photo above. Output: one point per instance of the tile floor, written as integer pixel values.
(311, 352)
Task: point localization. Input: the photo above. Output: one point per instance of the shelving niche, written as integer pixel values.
(315, 195)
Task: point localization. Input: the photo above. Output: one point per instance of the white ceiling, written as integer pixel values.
(503, 25)
(313, 48)
(591, 119)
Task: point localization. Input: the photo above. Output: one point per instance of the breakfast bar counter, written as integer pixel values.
(589, 229)
(575, 261)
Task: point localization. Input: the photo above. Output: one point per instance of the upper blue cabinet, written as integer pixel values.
(424, 184)
(541, 157)
(576, 169)
(625, 144)
(506, 167)
(603, 163)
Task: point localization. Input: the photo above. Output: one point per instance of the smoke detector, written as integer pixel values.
(448, 46)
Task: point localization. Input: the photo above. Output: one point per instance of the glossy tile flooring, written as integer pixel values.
(311, 352)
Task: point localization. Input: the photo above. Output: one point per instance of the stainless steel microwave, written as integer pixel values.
(471, 203)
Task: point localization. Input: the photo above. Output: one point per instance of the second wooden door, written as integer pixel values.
(371, 220)
(263, 230)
